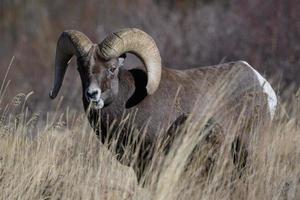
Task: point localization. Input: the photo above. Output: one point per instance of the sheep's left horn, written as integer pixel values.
(141, 44)
(70, 43)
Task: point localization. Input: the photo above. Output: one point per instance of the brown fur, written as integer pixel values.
(187, 87)
(180, 91)
(225, 92)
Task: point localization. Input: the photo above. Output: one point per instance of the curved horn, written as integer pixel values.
(70, 43)
(139, 43)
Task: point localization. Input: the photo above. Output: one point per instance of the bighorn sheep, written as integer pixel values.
(109, 89)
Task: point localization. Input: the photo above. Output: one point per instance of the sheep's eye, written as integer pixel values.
(111, 72)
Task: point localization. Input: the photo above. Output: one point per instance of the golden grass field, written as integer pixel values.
(63, 159)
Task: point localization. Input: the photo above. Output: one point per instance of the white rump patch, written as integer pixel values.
(272, 98)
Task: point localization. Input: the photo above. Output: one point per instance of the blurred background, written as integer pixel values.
(189, 33)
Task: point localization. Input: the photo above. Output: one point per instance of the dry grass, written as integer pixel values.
(65, 160)
(56, 165)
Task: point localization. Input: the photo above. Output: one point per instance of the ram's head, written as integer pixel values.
(98, 64)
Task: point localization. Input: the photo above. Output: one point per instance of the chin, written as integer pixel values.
(97, 105)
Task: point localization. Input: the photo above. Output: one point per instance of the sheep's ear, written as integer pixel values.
(121, 60)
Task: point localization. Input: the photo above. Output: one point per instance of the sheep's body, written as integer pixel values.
(181, 90)
(160, 97)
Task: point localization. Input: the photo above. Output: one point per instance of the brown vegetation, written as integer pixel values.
(47, 150)
(65, 160)
(188, 33)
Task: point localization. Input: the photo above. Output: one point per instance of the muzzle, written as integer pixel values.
(93, 95)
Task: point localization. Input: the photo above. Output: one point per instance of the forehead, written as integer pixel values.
(99, 62)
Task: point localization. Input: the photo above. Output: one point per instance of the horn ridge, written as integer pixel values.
(133, 40)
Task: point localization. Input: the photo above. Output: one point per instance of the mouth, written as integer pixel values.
(97, 104)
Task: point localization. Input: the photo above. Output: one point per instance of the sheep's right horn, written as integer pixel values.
(70, 43)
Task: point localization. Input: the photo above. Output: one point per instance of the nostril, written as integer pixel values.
(93, 94)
